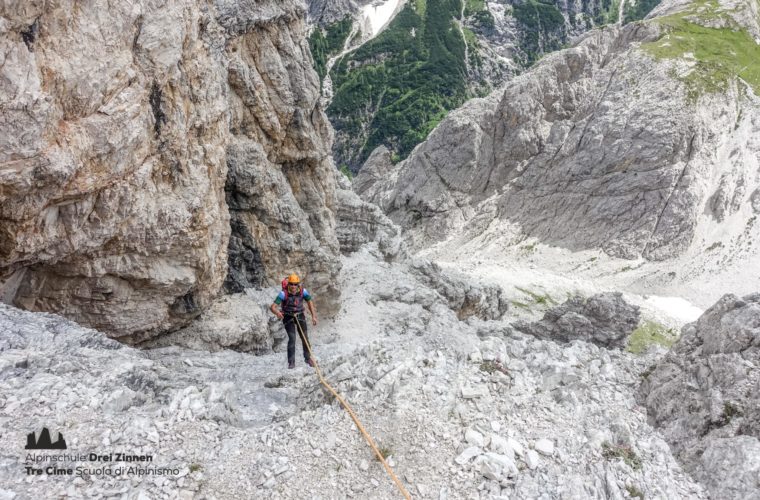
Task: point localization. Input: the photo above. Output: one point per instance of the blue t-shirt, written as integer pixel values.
(281, 296)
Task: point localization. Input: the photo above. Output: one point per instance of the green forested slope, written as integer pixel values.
(398, 86)
(324, 43)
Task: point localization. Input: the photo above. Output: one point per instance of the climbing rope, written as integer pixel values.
(350, 411)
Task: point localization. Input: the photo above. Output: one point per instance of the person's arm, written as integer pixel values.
(277, 302)
(312, 308)
(313, 311)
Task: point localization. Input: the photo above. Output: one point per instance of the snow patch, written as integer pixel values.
(376, 16)
(676, 307)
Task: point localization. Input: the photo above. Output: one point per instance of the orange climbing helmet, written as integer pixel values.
(291, 280)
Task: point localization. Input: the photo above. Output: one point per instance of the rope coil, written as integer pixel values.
(350, 411)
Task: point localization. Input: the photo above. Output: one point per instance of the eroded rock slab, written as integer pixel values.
(705, 394)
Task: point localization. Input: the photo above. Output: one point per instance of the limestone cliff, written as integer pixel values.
(326, 12)
(117, 126)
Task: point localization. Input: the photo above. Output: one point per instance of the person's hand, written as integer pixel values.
(314, 320)
(280, 315)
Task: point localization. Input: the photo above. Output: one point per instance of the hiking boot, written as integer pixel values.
(291, 364)
(309, 362)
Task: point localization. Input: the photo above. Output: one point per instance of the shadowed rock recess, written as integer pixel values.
(119, 125)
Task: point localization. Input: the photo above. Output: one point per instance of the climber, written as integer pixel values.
(291, 300)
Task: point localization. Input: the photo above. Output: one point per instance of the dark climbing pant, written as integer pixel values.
(290, 326)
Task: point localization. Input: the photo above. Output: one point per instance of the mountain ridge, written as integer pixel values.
(599, 146)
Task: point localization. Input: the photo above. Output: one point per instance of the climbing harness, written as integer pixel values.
(350, 411)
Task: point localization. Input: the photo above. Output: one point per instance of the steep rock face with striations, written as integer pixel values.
(117, 126)
(112, 166)
(621, 143)
(359, 222)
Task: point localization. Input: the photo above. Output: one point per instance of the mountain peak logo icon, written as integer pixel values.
(44, 442)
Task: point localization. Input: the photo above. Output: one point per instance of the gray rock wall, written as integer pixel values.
(280, 185)
(114, 128)
(117, 124)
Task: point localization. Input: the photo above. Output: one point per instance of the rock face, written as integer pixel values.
(604, 319)
(598, 146)
(466, 299)
(374, 174)
(280, 188)
(359, 222)
(705, 397)
(241, 322)
(117, 127)
(326, 12)
(114, 129)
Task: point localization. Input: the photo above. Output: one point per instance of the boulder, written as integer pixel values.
(605, 319)
(464, 297)
(240, 321)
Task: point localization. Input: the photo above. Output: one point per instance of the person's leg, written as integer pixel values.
(305, 338)
(290, 327)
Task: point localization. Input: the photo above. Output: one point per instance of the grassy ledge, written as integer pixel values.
(649, 333)
(719, 55)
